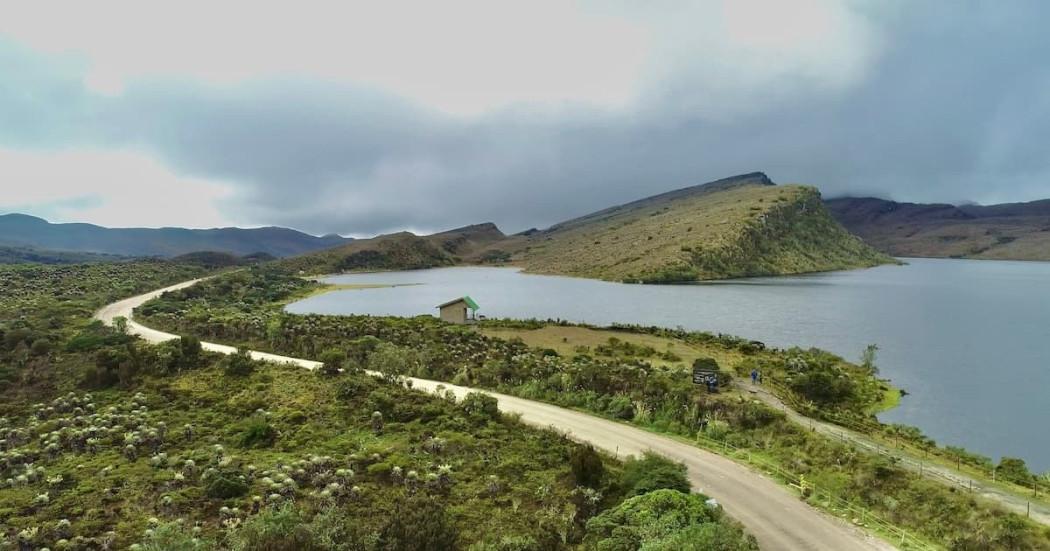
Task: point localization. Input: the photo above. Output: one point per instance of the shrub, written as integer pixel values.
(392, 361)
(419, 523)
(258, 433)
(240, 364)
(665, 519)
(173, 536)
(621, 407)
(507, 543)
(653, 472)
(480, 406)
(587, 467)
(274, 529)
(225, 484)
(332, 361)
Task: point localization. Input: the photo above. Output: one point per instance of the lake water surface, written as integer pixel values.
(969, 340)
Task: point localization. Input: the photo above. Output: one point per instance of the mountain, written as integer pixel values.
(24, 255)
(402, 251)
(20, 230)
(734, 227)
(1011, 231)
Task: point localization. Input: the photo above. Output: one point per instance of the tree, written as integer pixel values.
(867, 358)
(1014, 469)
(190, 352)
(120, 323)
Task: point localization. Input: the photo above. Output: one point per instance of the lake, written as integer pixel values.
(969, 340)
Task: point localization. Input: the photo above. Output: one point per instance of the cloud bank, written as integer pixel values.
(341, 118)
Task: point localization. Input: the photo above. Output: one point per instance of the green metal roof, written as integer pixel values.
(466, 299)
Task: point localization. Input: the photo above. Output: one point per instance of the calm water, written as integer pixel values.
(969, 340)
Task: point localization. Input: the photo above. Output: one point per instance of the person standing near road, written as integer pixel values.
(754, 376)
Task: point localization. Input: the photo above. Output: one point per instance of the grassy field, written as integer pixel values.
(568, 341)
(612, 344)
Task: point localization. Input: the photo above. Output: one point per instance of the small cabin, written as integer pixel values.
(460, 310)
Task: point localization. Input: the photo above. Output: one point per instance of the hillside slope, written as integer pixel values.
(401, 251)
(734, 227)
(1014, 231)
(30, 255)
(21, 230)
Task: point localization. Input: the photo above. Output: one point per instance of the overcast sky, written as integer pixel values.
(364, 118)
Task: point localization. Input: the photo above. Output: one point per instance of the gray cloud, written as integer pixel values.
(955, 107)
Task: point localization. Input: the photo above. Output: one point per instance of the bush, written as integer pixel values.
(653, 472)
(587, 467)
(665, 519)
(225, 484)
(274, 529)
(481, 406)
(621, 407)
(419, 523)
(173, 536)
(259, 433)
(392, 361)
(240, 364)
(507, 543)
(333, 361)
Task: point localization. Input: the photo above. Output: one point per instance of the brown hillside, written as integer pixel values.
(1016, 231)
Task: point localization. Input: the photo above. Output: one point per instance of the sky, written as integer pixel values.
(361, 118)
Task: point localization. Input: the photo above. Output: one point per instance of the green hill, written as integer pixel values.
(735, 227)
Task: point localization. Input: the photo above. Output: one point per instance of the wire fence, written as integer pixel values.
(875, 430)
(822, 497)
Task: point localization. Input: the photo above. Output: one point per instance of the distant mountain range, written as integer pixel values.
(22, 231)
(23, 255)
(734, 227)
(1011, 231)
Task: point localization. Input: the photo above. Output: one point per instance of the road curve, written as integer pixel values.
(776, 517)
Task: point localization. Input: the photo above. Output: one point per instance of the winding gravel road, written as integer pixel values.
(776, 516)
